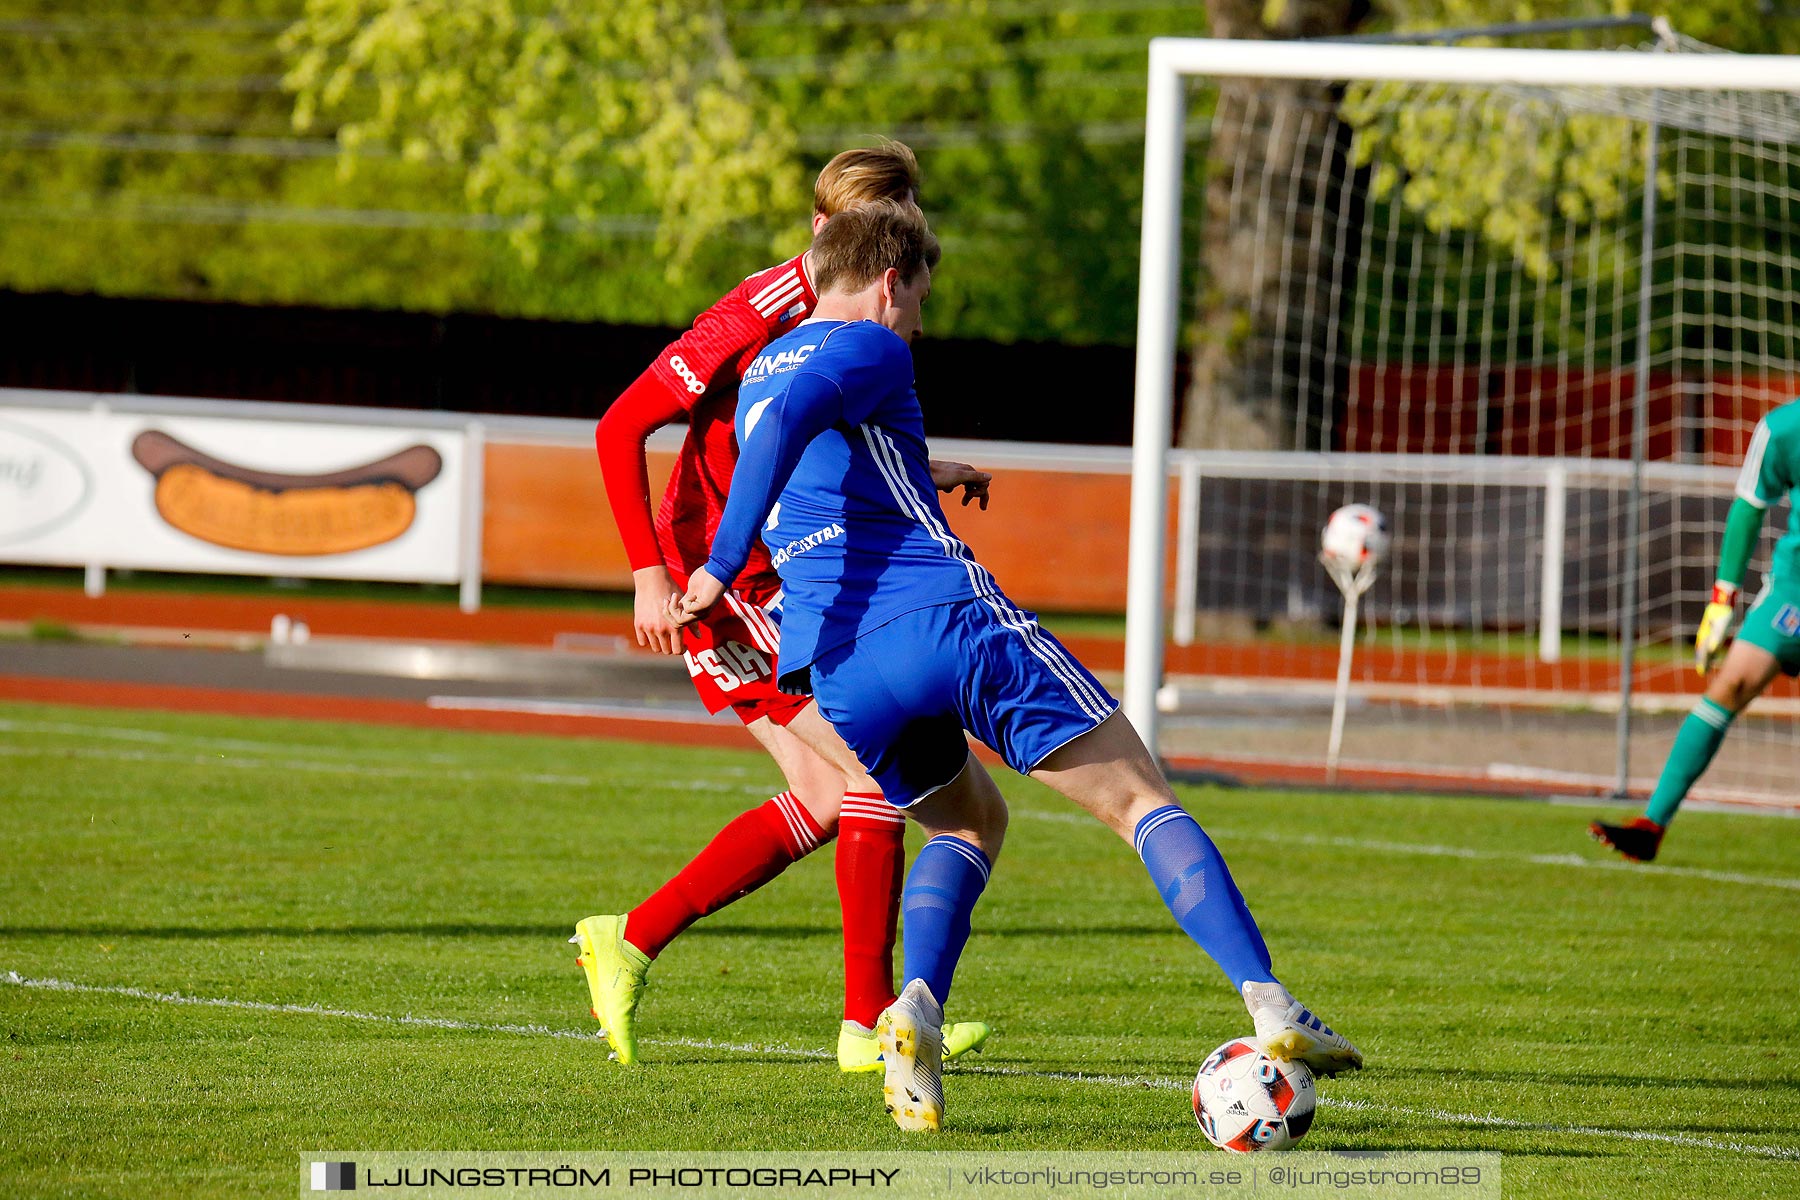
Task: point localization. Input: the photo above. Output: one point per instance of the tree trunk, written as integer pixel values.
(1273, 269)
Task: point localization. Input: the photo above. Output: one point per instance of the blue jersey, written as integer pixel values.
(832, 471)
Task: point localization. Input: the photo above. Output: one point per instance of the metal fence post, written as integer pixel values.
(1550, 593)
(1187, 550)
(474, 452)
(1632, 584)
(93, 577)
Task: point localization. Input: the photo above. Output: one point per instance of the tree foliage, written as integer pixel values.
(1467, 159)
(625, 162)
(150, 154)
(555, 114)
(539, 157)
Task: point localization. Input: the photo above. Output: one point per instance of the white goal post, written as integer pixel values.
(1172, 61)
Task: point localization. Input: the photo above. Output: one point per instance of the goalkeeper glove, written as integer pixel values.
(1713, 625)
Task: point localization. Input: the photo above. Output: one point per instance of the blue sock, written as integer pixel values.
(1196, 885)
(941, 889)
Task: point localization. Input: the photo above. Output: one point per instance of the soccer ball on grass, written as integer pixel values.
(1247, 1101)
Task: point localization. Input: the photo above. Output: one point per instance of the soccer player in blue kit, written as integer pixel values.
(905, 641)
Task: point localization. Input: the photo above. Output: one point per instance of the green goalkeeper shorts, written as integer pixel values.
(1773, 623)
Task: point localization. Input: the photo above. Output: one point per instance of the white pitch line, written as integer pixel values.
(207, 742)
(14, 979)
(1430, 850)
(123, 733)
(575, 708)
(708, 785)
(1433, 1114)
(463, 775)
(208, 759)
(1633, 1135)
(1542, 860)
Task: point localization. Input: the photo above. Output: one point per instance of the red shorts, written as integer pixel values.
(730, 654)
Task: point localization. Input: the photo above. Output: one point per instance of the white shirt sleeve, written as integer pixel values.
(1751, 476)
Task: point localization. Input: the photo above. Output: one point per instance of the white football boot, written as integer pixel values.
(912, 1057)
(1288, 1032)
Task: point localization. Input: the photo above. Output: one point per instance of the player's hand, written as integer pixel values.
(948, 476)
(703, 592)
(1713, 625)
(650, 610)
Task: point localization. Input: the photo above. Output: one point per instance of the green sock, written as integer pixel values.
(1694, 748)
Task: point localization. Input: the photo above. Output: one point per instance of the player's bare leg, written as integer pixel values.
(815, 781)
(1747, 671)
(871, 855)
(966, 821)
(969, 807)
(1110, 773)
(871, 858)
(753, 848)
(1745, 674)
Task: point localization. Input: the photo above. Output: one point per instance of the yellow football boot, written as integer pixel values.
(615, 978)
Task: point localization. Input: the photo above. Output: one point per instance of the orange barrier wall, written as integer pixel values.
(545, 519)
(1055, 541)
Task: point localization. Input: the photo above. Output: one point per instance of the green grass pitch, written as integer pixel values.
(1610, 1030)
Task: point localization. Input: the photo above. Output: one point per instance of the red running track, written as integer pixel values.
(413, 621)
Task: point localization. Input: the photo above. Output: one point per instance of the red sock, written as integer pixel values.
(755, 848)
(871, 855)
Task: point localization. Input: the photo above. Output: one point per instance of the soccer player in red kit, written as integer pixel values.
(731, 654)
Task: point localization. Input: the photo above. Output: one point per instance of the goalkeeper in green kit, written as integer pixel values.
(1768, 643)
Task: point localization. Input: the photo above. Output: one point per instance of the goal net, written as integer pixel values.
(1528, 303)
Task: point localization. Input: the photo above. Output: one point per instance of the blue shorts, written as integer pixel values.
(902, 694)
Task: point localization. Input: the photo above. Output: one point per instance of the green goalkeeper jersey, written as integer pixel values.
(1771, 472)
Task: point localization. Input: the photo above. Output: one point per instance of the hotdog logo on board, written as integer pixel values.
(265, 512)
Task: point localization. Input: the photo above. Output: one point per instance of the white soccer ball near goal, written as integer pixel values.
(1355, 534)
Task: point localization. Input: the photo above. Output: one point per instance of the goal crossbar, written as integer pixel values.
(1472, 64)
(1171, 60)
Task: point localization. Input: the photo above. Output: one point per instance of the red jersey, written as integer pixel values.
(698, 374)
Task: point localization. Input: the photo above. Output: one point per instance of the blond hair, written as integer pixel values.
(858, 244)
(887, 170)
